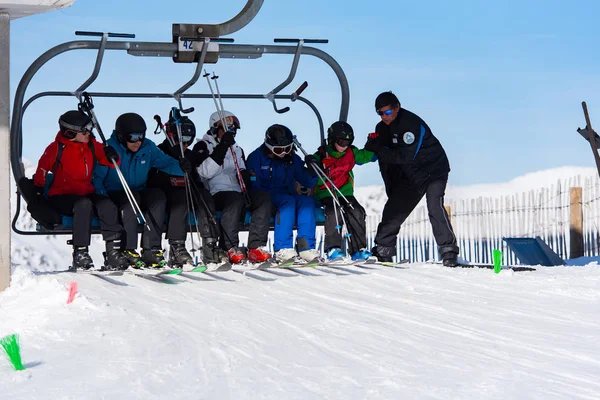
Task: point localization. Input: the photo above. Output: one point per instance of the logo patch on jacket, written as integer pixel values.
(409, 138)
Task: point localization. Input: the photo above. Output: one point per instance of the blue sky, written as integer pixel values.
(499, 83)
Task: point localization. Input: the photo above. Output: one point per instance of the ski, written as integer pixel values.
(385, 263)
(514, 268)
(198, 269)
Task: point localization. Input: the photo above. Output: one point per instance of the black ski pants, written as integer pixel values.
(262, 211)
(82, 209)
(355, 218)
(403, 200)
(153, 203)
(231, 205)
(177, 207)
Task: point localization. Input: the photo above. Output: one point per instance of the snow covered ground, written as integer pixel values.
(420, 332)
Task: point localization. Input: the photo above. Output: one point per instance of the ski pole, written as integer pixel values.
(319, 171)
(87, 106)
(188, 191)
(224, 126)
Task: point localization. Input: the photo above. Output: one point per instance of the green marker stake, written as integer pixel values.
(497, 261)
(12, 349)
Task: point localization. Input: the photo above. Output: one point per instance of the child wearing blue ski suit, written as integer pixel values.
(279, 175)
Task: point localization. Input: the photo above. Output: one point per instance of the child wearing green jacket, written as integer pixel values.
(338, 158)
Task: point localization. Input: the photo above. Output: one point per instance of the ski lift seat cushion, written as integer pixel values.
(67, 221)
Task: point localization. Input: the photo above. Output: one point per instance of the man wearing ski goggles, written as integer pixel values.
(135, 137)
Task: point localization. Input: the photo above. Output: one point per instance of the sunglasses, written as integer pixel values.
(343, 142)
(136, 137)
(279, 150)
(386, 112)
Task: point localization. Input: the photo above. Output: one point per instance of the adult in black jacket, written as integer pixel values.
(177, 200)
(413, 163)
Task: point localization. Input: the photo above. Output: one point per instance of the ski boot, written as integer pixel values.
(134, 260)
(114, 259)
(363, 254)
(178, 255)
(284, 255)
(81, 259)
(235, 255)
(154, 258)
(258, 255)
(212, 253)
(309, 255)
(335, 254)
(449, 255)
(384, 253)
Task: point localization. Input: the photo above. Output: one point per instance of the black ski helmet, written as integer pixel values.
(72, 122)
(188, 129)
(279, 135)
(340, 130)
(130, 126)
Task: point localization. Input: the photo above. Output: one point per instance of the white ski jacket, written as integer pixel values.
(221, 178)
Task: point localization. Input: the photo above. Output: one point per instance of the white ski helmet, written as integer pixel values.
(230, 119)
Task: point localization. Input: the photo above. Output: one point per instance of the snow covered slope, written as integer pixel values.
(423, 332)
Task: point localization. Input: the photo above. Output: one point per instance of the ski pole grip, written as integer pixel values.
(299, 91)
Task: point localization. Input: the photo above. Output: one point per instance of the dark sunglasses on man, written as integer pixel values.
(386, 112)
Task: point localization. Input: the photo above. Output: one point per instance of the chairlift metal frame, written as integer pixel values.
(191, 43)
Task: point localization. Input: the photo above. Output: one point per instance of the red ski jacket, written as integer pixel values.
(73, 174)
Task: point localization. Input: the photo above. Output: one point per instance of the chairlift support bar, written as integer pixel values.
(99, 57)
(270, 96)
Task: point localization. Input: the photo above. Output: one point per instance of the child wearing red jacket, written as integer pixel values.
(64, 172)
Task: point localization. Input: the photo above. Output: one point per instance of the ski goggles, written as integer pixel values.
(279, 150)
(135, 137)
(187, 139)
(232, 122)
(386, 112)
(343, 142)
(71, 130)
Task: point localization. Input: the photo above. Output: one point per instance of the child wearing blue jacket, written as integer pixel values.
(137, 155)
(278, 175)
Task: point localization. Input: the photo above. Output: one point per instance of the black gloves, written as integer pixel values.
(111, 154)
(39, 190)
(246, 178)
(185, 165)
(228, 139)
(311, 160)
(373, 145)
